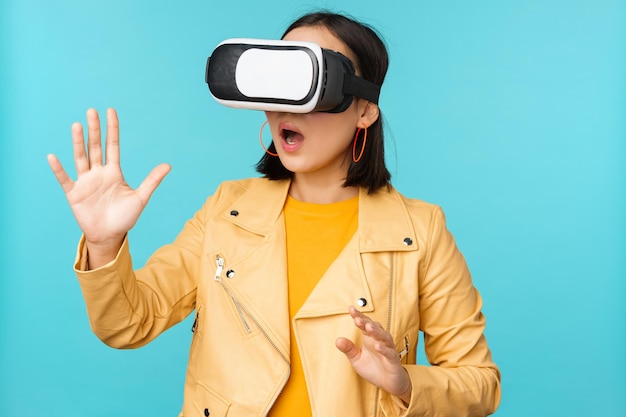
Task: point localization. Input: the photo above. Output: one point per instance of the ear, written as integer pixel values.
(368, 113)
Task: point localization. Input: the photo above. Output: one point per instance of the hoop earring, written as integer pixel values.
(354, 157)
(261, 140)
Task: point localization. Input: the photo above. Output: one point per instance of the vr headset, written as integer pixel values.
(284, 76)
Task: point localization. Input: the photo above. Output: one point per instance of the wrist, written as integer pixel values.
(102, 252)
(405, 396)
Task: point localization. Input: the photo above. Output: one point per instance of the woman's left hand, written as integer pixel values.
(377, 360)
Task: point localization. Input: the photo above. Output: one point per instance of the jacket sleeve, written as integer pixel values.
(128, 308)
(462, 379)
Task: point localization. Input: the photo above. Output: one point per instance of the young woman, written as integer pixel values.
(310, 285)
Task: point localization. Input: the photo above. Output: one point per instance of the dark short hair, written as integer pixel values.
(372, 60)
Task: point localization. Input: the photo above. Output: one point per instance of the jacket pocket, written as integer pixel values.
(208, 403)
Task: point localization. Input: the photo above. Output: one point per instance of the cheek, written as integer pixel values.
(340, 127)
(269, 116)
(271, 119)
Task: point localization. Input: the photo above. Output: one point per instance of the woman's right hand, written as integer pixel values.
(105, 207)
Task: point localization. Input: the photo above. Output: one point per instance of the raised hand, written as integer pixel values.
(104, 205)
(377, 360)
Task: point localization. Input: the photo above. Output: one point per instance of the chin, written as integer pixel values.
(295, 168)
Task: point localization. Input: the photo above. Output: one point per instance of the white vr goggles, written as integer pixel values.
(285, 76)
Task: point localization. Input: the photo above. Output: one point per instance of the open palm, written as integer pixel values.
(104, 205)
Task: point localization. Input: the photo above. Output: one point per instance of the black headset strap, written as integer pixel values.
(360, 87)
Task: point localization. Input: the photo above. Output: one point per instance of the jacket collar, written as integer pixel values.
(260, 206)
(384, 221)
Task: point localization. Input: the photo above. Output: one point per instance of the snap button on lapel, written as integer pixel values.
(407, 241)
(230, 273)
(234, 213)
(361, 302)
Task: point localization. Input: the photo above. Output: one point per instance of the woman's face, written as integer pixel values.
(318, 144)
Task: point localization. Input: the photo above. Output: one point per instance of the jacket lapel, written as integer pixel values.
(384, 226)
(256, 255)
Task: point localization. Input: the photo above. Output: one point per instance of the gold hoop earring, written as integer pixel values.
(354, 157)
(261, 140)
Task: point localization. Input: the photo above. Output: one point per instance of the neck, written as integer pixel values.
(317, 191)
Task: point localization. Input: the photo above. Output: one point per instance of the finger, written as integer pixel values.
(152, 181)
(354, 312)
(94, 138)
(386, 350)
(66, 182)
(78, 145)
(348, 348)
(381, 339)
(361, 320)
(112, 138)
(376, 330)
(356, 315)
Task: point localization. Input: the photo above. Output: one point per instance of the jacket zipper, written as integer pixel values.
(389, 307)
(241, 309)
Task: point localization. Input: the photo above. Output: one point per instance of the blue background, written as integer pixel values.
(509, 114)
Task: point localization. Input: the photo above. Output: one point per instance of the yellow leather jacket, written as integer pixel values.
(229, 264)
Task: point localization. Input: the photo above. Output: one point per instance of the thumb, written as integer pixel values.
(348, 348)
(152, 181)
(60, 174)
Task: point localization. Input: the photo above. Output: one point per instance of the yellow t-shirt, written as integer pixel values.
(316, 234)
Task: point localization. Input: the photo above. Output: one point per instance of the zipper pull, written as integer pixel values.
(220, 265)
(195, 323)
(406, 348)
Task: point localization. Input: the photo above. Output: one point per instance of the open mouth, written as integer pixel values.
(288, 136)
